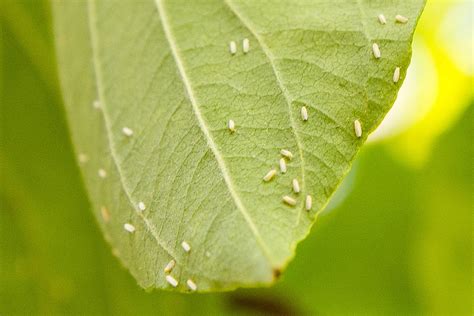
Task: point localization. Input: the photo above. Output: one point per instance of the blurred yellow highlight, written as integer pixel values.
(443, 85)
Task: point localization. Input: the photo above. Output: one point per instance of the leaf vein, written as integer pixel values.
(195, 105)
(98, 77)
(282, 87)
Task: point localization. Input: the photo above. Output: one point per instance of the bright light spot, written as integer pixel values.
(457, 36)
(343, 190)
(416, 96)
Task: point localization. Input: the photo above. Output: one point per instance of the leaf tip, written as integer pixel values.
(276, 273)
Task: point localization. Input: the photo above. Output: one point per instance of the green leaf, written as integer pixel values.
(163, 69)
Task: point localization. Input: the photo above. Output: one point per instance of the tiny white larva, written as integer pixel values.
(282, 165)
(127, 131)
(286, 153)
(231, 125)
(129, 227)
(289, 200)
(401, 19)
(382, 19)
(96, 104)
(83, 158)
(376, 50)
(102, 173)
(169, 267)
(105, 214)
(304, 113)
(191, 285)
(232, 47)
(186, 246)
(296, 186)
(308, 202)
(246, 45)
(396, 75)
(270, 174)
(357, 128)
(172, 281)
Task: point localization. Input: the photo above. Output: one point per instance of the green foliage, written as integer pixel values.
(399, 244)
(163, 69)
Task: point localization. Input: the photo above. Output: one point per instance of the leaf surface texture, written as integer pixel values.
(163, 69)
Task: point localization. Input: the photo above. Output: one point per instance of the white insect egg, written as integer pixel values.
(304, 113)
(127, 131)
(296, 186)
(246, 45)
(382, 19)
(129, 227)
(401, 19)
(357, 128)
(102, 173)
(232, 47)
(141, 206)
(104, 212)
(396, 74)
(286, 153)
(96, 104)
(282, 165)
(270, 174)
(289, 200)
(308, 202)
(172, 281)
(231, 125)
(376, 50)
(191, 285)
(83, 158)
(169, 266)
(186, 246)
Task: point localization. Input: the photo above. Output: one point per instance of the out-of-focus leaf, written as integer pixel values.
(443, 246)
(451, 87)
(53, 259)
(401, 243)
(163, 70)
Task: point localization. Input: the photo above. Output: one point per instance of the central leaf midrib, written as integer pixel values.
(210, 141)
(271, 58)
(151, 228)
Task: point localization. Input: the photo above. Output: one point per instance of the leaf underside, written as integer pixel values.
(164, 70)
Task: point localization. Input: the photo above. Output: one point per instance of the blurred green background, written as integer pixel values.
(396, 239)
